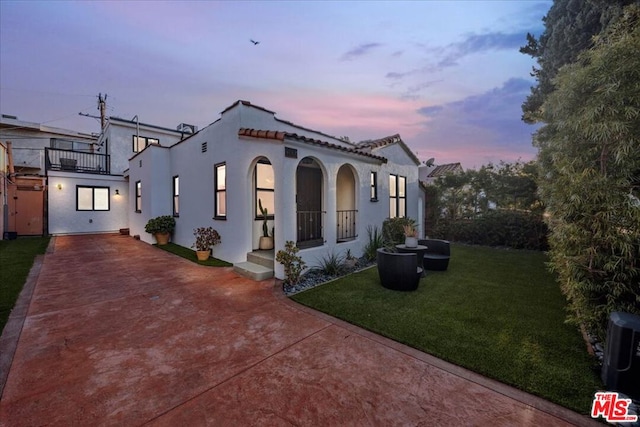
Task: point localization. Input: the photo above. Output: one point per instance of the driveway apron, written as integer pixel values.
(119, 332)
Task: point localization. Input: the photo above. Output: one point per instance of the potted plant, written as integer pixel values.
(266, 240)
(410, 236)
(161, 227)
(206, 237)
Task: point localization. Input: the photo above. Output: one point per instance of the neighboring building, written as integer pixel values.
(26, 149)
(66, 182)
(320, 191)
(428, 174)
(89, 191)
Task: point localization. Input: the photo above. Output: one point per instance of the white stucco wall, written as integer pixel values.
(240, 230)
(63, 217)
(118, 138)
(152, 167)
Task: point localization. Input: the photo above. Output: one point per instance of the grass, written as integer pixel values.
(190, 254)
(496, 312)
(16, 259)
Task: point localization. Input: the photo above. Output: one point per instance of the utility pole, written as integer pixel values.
(102, 106)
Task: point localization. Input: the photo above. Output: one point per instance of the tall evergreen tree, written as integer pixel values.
(589, 155)
(569, 29)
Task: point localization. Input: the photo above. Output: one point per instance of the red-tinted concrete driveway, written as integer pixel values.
(121, 333)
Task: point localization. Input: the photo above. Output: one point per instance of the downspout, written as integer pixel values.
(137, 127)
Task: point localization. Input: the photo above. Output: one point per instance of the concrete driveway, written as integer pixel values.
(118, 332)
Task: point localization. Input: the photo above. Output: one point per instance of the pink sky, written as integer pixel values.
(447, 76)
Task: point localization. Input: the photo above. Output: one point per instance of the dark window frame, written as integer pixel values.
(147, 140)
(397, 198)
(216, 190)
(176, 195)
(373, 177)
(93, 198)
(138, 191)
(259, 216)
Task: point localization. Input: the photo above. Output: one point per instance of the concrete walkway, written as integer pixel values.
(118, 332)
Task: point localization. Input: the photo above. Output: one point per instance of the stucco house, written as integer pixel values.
(88, 192)
(320, 191)
(25, 156)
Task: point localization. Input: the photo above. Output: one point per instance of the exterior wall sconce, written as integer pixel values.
(117, 192)
(59, 186)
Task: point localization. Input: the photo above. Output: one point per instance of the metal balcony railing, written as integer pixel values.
(309, 229)
(346, 222)
(77, 161)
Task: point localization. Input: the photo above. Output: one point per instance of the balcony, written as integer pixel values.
(346, 222)
(77, 161)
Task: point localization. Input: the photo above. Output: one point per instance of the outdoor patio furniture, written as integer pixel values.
(398, 271)
(418, 250)
(436, 258)
(68, 164)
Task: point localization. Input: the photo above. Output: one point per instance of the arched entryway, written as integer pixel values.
(309, 213)
(346, 204)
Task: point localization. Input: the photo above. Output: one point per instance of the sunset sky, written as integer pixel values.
(446, 75)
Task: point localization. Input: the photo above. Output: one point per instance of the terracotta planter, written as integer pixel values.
(203, 255)
(266, 243)
(162, 238)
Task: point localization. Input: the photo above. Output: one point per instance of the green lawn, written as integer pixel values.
(190, 254)
(16, 259)
(497, 312)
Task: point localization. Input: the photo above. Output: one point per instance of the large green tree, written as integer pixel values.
(589, 154)
(569, 29)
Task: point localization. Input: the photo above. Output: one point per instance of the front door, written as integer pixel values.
(309, 206)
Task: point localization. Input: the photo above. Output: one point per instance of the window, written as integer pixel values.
(264, 189)
(176, 196)
(92, 198)
(374, 186)
(140, 142)
(397, 196)
(220, 185)
(138, 196)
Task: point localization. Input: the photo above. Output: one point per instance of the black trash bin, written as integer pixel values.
(621, 364)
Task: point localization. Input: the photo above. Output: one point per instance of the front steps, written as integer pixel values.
(259, 266)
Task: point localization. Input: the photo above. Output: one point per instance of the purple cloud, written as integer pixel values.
(357, 51)
(480, 128)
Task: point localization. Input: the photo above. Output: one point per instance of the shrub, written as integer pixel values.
(375, 242)
(293, 264)
(393, 230)
(160, 224)
(332, 264)
(514, 229)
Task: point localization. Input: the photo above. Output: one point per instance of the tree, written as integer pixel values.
(590, 157)
(569, 29)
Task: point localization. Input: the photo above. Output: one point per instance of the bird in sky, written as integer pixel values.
(253, 41)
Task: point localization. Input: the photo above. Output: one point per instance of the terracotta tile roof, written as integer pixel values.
(280, 136)
(445, 169)
(388, 140)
